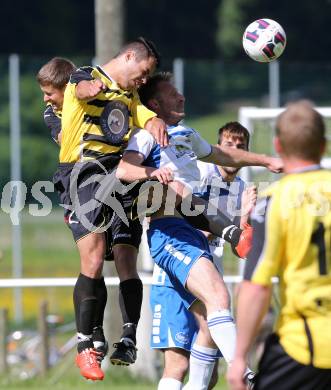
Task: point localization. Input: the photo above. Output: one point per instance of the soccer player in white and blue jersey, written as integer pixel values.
(179, 249)
(174, 327)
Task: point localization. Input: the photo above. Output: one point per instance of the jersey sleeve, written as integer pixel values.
(199, 145)
(80, 74)
(264, 259)
(141, 142)
(53, 122)
(140, 113)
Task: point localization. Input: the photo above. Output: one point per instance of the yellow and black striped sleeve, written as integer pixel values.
(80, 74)
(52, 120)
(264, 259)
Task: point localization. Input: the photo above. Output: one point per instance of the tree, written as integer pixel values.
(109, 28)
(231, 17)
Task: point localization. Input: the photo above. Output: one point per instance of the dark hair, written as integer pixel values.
(150, 90)
(56, 72)
(144, 48)
(301, 131)
(234, 128)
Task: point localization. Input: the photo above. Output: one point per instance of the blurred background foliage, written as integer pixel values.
(219, 77)
(214, 91)
(190, 29)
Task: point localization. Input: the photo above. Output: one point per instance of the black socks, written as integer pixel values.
(130, 300)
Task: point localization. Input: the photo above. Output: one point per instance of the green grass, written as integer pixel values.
(47, 246)
(48, 250)
(75, 381)
(66, 376)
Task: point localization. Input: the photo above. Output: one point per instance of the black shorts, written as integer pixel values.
(121, 233)
(82, 188)
(278, 371)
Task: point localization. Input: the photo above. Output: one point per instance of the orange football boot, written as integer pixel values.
(88, 364)
(245, 241)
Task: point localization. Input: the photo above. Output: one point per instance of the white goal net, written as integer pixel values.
(260, 122)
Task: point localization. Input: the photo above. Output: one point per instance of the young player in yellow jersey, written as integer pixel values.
(292, 240)
(52, 79)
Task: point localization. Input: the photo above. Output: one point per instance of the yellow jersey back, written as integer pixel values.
(292, 240)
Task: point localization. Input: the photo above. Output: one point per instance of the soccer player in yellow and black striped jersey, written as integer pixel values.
(86, 149)
(82, 138)
(292, 240)
(88, 92)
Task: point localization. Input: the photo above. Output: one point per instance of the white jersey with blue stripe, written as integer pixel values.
(227, 197)
(185, 147)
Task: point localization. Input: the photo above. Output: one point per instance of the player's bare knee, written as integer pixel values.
(91, 265)
(176, 364)
(216, 297)
(219, 294)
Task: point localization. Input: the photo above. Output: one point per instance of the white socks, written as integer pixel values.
(202, 362)
(169, 384)
(223, 332)
(83, 337)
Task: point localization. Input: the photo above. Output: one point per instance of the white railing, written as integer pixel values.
(146, 279)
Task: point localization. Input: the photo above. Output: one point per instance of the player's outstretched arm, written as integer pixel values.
(131, 169)
(226, 156)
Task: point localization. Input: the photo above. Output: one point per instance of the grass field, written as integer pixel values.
(70, 382)
(65, 376)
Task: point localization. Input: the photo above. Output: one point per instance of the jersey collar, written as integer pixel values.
(314, 167)
(105, 74)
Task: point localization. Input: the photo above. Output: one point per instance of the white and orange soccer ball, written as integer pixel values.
(264, 40)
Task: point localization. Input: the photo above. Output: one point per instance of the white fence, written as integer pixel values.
(67, 282)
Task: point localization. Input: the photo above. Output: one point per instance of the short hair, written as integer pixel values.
(56, 72)
(236, 129)
(150, 90)
(301, 131)
(144, 48)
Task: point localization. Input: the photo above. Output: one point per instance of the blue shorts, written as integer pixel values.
(175, 246)
(173, 325)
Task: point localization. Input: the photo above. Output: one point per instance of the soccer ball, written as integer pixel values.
(264, 40)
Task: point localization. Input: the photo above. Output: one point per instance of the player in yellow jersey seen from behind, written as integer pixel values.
(292, 240)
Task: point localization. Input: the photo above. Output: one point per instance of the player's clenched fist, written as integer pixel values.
(274, 164)
(248, 200)
(89, 89)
